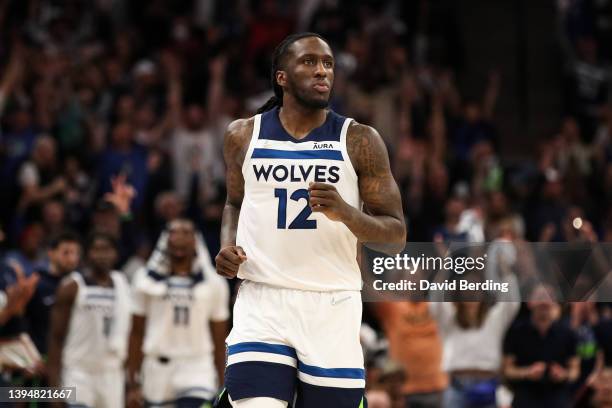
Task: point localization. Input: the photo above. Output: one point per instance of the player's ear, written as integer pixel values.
(281, 78)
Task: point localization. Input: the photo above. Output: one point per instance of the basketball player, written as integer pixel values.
(180, 311)
(297, 176)
(89, 328)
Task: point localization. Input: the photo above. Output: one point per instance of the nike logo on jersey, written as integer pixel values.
(320, 173)
(336, 301)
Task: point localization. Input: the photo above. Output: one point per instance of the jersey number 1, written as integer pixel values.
(107, 324)
(301, 221)
(181, 315)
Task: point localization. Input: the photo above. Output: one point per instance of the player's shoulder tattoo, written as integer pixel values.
(366, 149)
(237, 138)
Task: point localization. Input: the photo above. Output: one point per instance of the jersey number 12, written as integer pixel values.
(301, 221)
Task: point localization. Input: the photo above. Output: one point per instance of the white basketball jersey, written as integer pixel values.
(178, 311)
(99, 325)
(286, 244)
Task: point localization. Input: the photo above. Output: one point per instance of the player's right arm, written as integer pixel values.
(235, 144)
(135, 356)
(60, 320)
(134, 361)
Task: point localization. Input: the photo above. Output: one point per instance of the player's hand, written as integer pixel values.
(536, 371)
(59, 185)
(587, 232)
(603, 389)
(20, 293)
(324, 198)
(228, 261)
(558, 373)
(122, 195)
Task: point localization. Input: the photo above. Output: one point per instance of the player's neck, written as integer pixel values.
(100, 277)
(299, 120)
(181, 267)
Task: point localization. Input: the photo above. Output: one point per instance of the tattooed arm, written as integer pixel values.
(235, 144)
(384, 220)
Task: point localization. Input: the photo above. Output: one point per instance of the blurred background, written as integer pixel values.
(496, 114)
(500, 105)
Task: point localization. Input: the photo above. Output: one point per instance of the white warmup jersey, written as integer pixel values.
(178, 311)
(99, 325)
(286, 244)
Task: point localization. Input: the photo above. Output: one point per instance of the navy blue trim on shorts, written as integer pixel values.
(251, 379)
(261, 347)
(149, 404)
(191, 402)
(355, 373)
(186, 393)
(309, 396)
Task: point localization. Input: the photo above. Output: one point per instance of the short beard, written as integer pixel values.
(181, 258)
(304, 100)
(101, 269)
(64, 272)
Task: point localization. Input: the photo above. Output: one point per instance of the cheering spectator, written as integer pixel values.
(114, 217)
(17, 352)
(583, 318)
(126, 158)
(540, 355)
(586, 84)
(603, 335)
(30, 253)
(472, 334)
(53, 218)
(603, 390)
(168, 206)
(39, 178)
(414, 342)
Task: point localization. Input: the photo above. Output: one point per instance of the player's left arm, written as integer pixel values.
(60, 322)
(384, 220)
(135, 355)
(218, 326)
(219, 331)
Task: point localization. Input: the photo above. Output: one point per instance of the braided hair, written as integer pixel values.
(279, 53)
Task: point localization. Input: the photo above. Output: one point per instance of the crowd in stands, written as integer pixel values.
(112, 116)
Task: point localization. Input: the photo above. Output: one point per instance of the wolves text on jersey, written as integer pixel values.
(295, 173)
